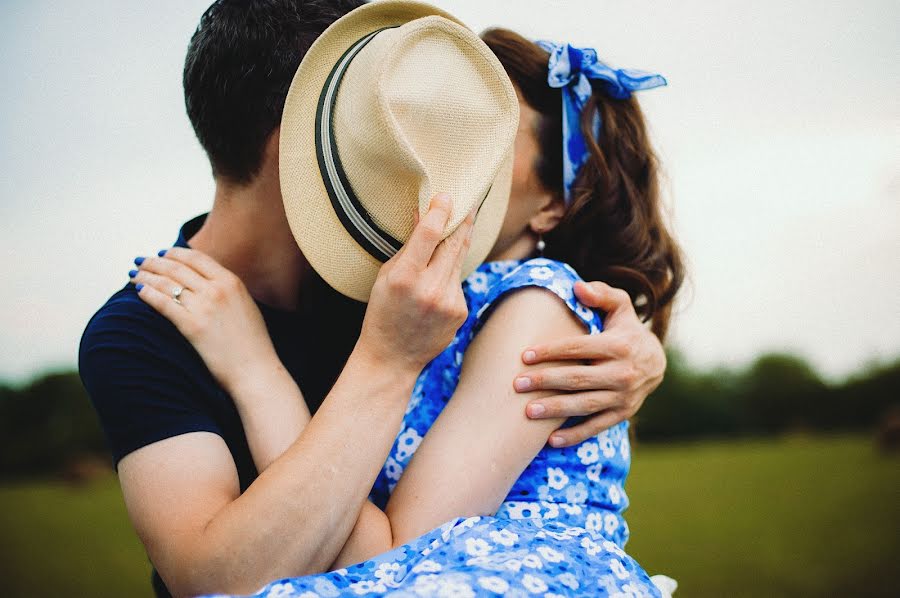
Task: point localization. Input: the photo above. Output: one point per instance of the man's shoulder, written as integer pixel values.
(143, 377)
(126, 322)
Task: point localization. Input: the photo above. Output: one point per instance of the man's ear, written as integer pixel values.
(549, 216)
(272, 143)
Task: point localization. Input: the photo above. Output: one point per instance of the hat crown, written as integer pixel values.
(389, 106)
(417, 106)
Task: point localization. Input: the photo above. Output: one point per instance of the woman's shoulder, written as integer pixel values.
(500, 279)
(543, 272)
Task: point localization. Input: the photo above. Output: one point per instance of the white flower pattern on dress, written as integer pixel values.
(477, 547)
(494, 584)
(588, 452)
(556, 478)
(577, 493)
(533, 584)
(550, 555)
(478, 282)
(541, 273)
(504, 537)
(427, 566)
(407, 443)
(392, 469)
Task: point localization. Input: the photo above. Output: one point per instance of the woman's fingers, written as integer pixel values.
(589, 428)
(179, 273)
(468, 227)
(163, 303)
(429, 232)
(162, 284)
(198, 261)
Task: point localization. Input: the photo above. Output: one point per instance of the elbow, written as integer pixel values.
(219, 571)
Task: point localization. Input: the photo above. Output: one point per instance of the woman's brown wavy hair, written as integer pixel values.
(614, 229)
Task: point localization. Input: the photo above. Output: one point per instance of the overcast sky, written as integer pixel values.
(779, 133)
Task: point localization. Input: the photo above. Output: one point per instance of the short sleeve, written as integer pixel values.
(144, 379)
(556, 277)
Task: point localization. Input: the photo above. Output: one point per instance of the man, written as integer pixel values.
(209, 521)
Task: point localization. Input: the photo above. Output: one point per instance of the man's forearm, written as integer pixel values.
(295, 518)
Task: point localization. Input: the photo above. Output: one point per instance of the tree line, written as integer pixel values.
(49, 423)
(777, 393)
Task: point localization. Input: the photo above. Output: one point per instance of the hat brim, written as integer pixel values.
(327, 246)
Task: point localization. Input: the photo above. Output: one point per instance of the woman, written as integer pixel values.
(516, 516)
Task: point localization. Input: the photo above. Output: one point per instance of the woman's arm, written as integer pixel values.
(482, 441)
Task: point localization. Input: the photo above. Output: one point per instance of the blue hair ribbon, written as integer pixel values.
(570, 69)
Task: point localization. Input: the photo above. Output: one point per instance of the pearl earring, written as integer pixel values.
(541, 245)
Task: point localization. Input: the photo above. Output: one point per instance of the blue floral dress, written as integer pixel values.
(560, 531)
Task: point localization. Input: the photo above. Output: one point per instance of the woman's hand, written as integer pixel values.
(417, 304)
(214, 311)
(612, 373)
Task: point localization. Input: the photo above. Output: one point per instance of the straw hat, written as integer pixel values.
(393, 103)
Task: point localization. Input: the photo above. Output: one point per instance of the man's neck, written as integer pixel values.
(247, 232)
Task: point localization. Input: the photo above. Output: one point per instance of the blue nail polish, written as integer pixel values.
(139, 287)
(139, 260)
(162, 252)
(132, 273)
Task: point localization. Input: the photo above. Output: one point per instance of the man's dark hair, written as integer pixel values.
(238, 69)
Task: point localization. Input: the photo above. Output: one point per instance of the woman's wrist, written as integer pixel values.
(383, 371)
(260, 377)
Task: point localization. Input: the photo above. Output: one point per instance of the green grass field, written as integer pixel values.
(795, 517)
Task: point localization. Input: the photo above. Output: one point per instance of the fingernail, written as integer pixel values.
(556, 441)
(132, 273)
(162, 252)
(522, 384)
(139, 286)
(529, 356)
(536, 410)
(139, 260)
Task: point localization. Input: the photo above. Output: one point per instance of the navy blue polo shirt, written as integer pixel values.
(147, 383)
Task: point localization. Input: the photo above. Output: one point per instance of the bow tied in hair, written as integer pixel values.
(571, 69)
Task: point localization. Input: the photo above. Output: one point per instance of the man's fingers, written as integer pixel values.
(571, 405)
(583, 347)
(564, 437)
(606, 375)
(600, 295)
(429, 232)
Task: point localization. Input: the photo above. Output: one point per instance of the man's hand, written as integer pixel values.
(613, 374)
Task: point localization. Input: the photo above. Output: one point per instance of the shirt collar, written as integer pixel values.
(189, 229)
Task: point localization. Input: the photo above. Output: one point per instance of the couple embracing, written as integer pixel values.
(301, 390)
